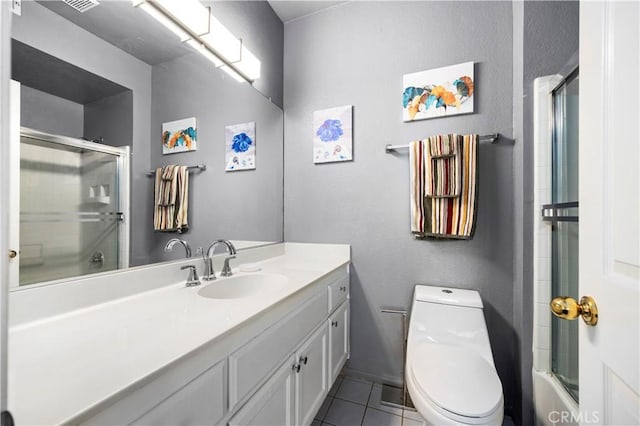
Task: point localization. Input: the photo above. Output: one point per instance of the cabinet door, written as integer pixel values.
(200, 402)
(311, 377)
(273, 404)
(338, 340)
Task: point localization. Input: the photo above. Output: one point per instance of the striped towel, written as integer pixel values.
(171, 199)
(452, 217)
(443, 166)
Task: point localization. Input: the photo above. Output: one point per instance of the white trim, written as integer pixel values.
(542, 132)
(5, 72)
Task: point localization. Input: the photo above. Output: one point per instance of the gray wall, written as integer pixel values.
(46, 31)
(241, 205)
(357, 54)
(263, 32)
(550, 38)
(110, 118)
(51, 114)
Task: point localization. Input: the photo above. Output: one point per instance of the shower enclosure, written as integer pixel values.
(564, 231)
(556, 233)
(73, 203)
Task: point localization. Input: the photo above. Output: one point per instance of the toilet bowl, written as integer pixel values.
(449, 371)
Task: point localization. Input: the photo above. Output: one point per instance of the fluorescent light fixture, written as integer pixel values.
(193, 14)
(163, 19)
(194, 24)
(222, 41)
(205, 52)
(249, 65)
(233, 74)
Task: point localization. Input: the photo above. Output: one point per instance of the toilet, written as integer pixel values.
(450, 373)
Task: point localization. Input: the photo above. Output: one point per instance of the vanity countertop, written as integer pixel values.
(61, 366)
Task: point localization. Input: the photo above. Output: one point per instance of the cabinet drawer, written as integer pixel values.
(249, 365)
(338, 292)
(200, 402)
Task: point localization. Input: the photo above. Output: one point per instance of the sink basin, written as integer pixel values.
(241, 286)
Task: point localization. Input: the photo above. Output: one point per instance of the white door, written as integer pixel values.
(609, 213)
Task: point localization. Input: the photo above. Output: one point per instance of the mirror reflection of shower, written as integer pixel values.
(72, 208)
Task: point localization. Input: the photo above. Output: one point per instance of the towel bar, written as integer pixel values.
(493, 138)
(201, 167)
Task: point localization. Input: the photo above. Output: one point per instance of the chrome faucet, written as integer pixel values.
(172, 242)
(209, 273)
(192, 279)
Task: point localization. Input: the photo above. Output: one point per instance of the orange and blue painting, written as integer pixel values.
(439, 92)
(179, 136)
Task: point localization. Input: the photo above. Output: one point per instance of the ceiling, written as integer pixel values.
(290, 10)
(141, 36)
(136, 32)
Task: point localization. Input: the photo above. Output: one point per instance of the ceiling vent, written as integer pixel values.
(82, 5)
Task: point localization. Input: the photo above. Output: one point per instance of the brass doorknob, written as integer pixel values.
(568, 308)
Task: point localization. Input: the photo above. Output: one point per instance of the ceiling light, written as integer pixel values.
(205, 52)
(222, 41)
(193, 23)
(233, 74)
(163, 19)
(193, 14)
(249, 65)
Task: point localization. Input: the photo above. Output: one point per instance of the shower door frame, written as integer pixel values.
(122, 154)
(549, 394)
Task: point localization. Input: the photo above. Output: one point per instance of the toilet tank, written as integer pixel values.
(449, 316)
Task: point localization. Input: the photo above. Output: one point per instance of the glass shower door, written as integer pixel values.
(70, 212)
(565, 231)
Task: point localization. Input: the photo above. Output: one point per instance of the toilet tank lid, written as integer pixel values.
(448, 296)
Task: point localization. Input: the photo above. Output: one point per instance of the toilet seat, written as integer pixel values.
(456, 382)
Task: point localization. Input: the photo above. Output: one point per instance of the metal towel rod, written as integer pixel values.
(493, 138)
(201, 167)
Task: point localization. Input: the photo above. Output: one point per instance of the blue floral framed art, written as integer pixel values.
(240, 153)
(333, 134)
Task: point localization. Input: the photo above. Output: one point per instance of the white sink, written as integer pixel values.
(241, 286)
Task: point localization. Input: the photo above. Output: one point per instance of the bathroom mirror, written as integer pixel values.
(116, 77)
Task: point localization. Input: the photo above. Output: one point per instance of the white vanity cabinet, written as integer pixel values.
(294, 393)
(275, 370)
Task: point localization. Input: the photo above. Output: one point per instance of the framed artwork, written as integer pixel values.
(240, 142)
(333, 134)
(179, 136)
(439, 92)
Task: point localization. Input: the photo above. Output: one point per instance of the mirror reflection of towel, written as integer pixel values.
(171, 199)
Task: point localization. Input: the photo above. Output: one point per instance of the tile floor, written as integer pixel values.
(354, 401)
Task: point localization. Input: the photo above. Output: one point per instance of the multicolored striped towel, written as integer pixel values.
(443, 166)
(452, 217)
(171, 199)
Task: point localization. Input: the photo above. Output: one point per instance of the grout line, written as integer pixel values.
(327, 412)
(366, 407)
